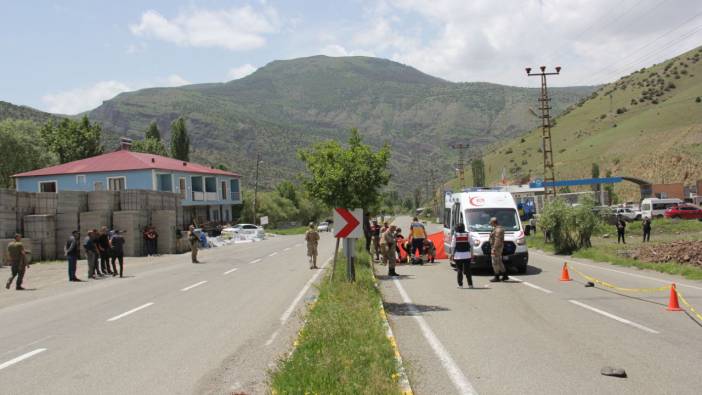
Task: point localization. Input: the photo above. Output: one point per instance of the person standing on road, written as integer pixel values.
(621, 229)
(646, 229)
(532, 224)
(390, 243)
(497, 243)
(103, 245)
(117, 250)
(194, 240)
(461, 254)
(367, 231)
(312, 239)
(417, 236)
(91, 253)
(72, 252)
(375, 238)
(16, 254)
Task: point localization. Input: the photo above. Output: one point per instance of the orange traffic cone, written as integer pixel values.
(565, 276)
(673, 304)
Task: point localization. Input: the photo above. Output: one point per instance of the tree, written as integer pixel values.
(149, 146)
(478, 167)
(346, 177)
(19, 150)
(152, 132)
(72, 140)
(180, 141)
(286, 189)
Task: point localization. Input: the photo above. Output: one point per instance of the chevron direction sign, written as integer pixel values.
(347, 223)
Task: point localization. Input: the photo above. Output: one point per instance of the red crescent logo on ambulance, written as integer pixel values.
(477, 201)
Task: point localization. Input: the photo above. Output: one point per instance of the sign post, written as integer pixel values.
(346, 226)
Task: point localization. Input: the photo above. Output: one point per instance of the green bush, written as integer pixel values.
(569, 228)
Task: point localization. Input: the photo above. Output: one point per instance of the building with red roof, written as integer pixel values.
(199, 187)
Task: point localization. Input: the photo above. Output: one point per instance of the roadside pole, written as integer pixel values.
(348, 228)
(336, 252)
(350, 252)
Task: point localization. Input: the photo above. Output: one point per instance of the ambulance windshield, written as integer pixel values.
(479, 219)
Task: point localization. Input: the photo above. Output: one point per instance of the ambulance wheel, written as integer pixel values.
(521, 269)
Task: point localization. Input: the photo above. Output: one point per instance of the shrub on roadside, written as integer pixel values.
(569, 228)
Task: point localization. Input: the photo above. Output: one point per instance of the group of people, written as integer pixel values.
(103, 249)
(389, 243)
(621, 229)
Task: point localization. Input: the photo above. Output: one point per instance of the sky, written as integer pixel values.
(69, 56)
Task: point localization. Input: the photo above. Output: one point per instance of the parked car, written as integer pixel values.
(249, 230)
(684, 211)
(626, 213)
(324, 227)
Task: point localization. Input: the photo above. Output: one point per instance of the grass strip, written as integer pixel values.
(298, 230)
(343, 348)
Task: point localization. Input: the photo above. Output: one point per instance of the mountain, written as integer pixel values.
(12, 111)
(288, 105)
(647, 124)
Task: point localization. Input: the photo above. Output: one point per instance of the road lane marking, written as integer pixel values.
(230, 271)
(302, 293)
(459, 380)
(528, 284)
(126, 313)
(272, 338)
(21, 358)
(298, 244)
(273, 254)
(28, 344)
(189, 287)
(287, 249)
(614, 317)
(630, 274)
(255, 261)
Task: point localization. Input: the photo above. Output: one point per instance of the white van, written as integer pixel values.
(474, 208)
(653, 207)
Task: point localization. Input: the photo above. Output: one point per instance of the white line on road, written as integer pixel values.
(21, 358)
(115, 318)
(273, 254)
(287, 249)
(302, 293)
(614, 317)
(459, 380)
(189, 287)
(255, 261)
(230, 271)
(272, 338)
(298, 244)
(528, 284)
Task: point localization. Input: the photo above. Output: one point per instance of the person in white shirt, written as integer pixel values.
(461, 254)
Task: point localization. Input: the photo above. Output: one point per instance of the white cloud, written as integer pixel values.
(240, 72)
(75, 101)
(338, 50)
(234, 29)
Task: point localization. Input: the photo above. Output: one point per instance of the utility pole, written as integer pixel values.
(461, 147)
(258, 161)
(544, 100)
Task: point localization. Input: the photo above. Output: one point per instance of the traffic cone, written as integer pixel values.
(565, 276)
(673, 304)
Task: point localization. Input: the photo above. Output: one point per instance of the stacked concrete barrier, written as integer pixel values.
(8, 213)
(41, 228)
(132, 223)
(71, 202)
(104, 201)
(165, 223)
(25, 206)
(45, 202)
(154, 200)
(94, 220)
(70, 205)
(134, 199)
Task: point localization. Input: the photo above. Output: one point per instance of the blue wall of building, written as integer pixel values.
(137, 179)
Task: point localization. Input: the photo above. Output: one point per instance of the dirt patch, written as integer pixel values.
(687, 252)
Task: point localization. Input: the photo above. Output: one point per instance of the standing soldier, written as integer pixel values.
(17, 256)
(194, 240)
(312, 239)
(375, 237)
(390, 243)
(497, 243)
(367, 231)
(460, 247)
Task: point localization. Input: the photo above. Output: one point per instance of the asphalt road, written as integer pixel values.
(537, 335)
(170, 328)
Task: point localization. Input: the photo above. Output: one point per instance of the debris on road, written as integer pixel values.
(682, 251)
(613, 372)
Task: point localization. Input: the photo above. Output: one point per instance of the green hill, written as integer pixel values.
(290, 104)
(647, 124)
(11, 111)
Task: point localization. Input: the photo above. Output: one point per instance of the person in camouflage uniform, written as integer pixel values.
(312, 239)
(497, 243)
(16, 256)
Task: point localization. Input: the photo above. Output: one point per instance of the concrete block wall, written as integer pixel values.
(132, 223)
(94, 220)
(45, 202)
(165, 223)
(41, 229)
(8, 213)
(25, 206)
(66, 223)
(104, 201)
(71, 202)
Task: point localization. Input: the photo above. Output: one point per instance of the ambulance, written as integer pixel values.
(474, 208)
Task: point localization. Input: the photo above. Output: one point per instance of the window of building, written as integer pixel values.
(234, 184)
(80, 179)
(48, 186)
(164, 183)
(116, 183)
(182, 188)
(224, 190)
(99, 186)
(210, 184)
(196, 183)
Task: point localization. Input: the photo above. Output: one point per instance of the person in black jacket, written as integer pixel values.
(621, 229)
(367, 231)
(89, 245)
(103, 245)
(646, 229)
(117, 250)
(72, 252)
